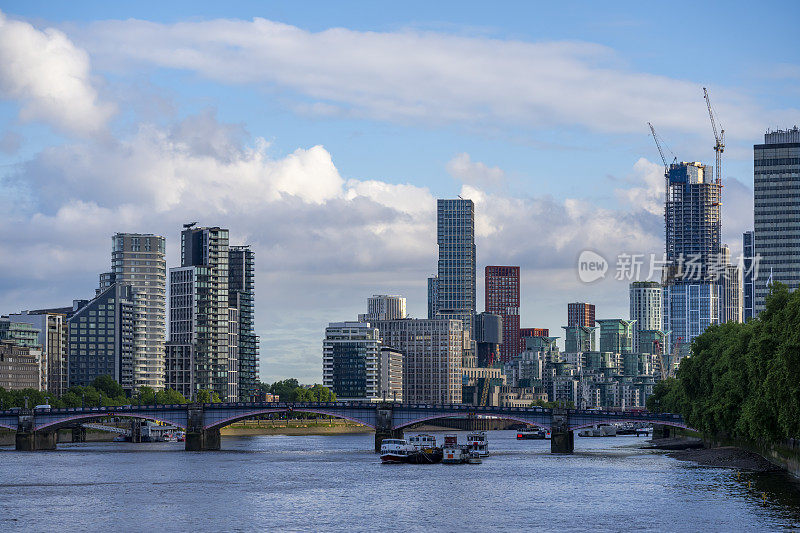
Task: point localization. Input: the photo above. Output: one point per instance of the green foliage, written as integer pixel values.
(169, 396)
(108, 386)
(285, 389)
(290, 390)
(742, 380)
(207, 396)
(146, 396)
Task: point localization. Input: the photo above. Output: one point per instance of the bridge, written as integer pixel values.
(37, 428)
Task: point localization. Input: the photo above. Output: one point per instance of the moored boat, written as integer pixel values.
(531, 434)
(477, 442)
(401, 451)
(600, 430)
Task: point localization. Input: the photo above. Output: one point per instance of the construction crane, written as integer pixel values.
(659, 141)
(719, 138)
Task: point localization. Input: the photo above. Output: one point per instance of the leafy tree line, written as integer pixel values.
(104, 391)
(290, 390)
(742, 380)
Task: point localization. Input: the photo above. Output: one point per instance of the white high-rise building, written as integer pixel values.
(384, 307)
(645, 309)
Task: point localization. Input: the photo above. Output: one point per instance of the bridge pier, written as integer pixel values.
(562, 439)
(79, 434)
(202, 440)
(34, 441)
(383, 425)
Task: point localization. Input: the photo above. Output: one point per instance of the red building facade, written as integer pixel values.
(531, 332)
(502, 298)
(580, 314)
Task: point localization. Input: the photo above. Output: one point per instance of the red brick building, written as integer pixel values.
(502, 298)
(580, 314)
(531, 332)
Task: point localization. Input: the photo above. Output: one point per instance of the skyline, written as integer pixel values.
(336, 191)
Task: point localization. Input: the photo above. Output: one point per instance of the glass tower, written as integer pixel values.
(241, 295)
(776, 177)
(455, 285)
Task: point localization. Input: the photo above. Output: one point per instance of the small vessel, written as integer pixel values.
(401, 451)
(423, 441)
(396, 451)
(476, 442)
(454, 455)
(531, 434)
(600, 430)
(474, 458)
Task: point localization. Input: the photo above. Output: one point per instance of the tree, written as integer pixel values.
(109, 387)
(285, 389)
(146, 396)
(169, 396)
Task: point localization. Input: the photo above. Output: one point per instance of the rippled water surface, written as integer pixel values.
(324, 483)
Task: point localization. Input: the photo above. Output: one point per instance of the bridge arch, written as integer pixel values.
(632, 420)
(63, 422)
(504, 416)
(8, 426)
(217, 424)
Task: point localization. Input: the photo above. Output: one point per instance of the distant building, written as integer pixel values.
(616, 335)
(502, 298)
(776, 177)
(652, 341)
(351, 354)
(488, 338)
(531, 332)
(53, 335)
(391, 374)
(455, 280)
(241, 295)
(19, 367)
(26, 336)
(580, 314)
(433, 296)
(579, 339)
(102, 337)
(233, 354)
(384, 307)
(646, 307)
(138, 260)
(748, 273)
(432, 354)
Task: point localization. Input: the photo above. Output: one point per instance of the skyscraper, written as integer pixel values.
(197, 354)
(502, 298)
(488, 338)
(645, 308)
(776, 169)
(241, 295)
(580, 314)
(351, 360)
(455, 285)
(748, 272)
(693, 227)
(138, 261)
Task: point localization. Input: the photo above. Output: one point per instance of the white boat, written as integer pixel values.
(423, 441)
(476, 442)
(454, 455)
(397, 451)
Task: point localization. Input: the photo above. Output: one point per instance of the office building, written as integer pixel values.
(102, 335)
(489, 338)
(502, 298)
(748, 273)
(26, 336)
(432, 351)
(776, 169)
(138, 261)
(691, 298)
(580, 314)
(351, 354)
(645, 308)
(616, 335)
(52, 338)
(531, 332)
(241, 296)
(233, 355)
(384, 307)
(19, 366)
(197, 351)
(454, 285)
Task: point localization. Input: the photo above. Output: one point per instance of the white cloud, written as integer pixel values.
(50, 77)
(462, 168)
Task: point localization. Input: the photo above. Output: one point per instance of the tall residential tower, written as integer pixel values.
(241, 295)
(502, 298)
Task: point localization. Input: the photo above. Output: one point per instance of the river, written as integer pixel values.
(335, 483)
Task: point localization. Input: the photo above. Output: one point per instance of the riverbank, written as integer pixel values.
(726, 457)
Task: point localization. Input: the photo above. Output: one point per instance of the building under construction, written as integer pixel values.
(693, 249)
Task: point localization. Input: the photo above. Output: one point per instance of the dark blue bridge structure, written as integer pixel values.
(37, 428)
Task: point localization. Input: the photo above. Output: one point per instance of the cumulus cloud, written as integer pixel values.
(50, 77)
(426, 76)
(462, 168)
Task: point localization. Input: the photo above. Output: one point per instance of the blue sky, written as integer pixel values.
(323, 134)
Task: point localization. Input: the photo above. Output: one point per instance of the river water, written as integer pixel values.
(325, 483)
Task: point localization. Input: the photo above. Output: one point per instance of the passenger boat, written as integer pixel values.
(476, 442)
(401, 451)
(531, 434)
(423, 441)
